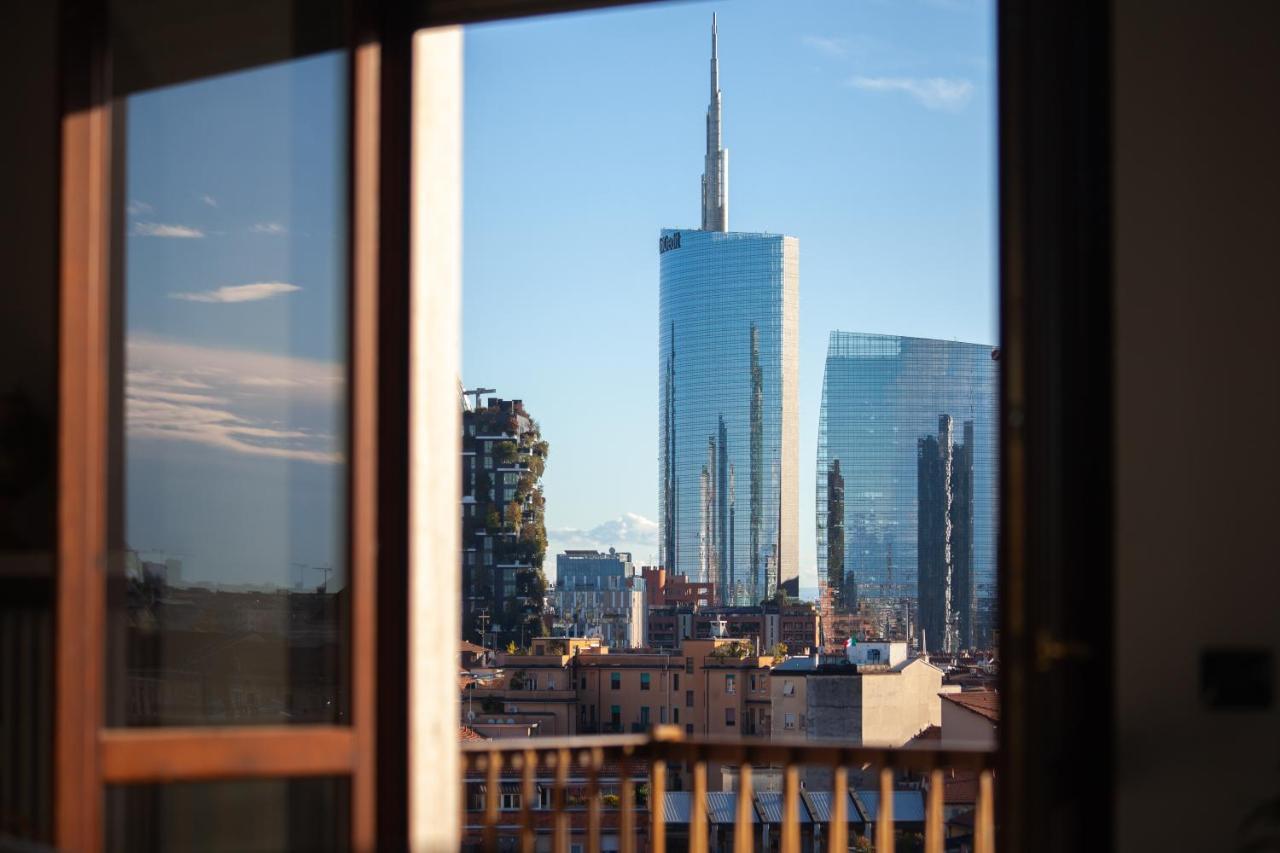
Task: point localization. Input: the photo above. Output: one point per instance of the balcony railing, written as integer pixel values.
(575, 790)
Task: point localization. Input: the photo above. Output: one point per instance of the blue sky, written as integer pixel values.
(865, 129)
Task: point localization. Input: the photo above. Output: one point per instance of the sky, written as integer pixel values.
(235, 270)
(865, 128)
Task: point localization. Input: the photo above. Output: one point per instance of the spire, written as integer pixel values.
(715, 173)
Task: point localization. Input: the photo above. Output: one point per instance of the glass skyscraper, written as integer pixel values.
(907, 478)
(728, 411)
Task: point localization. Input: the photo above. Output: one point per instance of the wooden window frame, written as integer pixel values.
(89, 754)
(1055, 287)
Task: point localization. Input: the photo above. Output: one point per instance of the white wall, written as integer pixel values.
(1197, 302)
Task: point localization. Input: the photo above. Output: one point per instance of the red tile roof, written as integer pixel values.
(466, 733)
(985, 703)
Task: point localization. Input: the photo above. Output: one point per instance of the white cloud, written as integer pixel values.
(626, 531)
(209, 200)
(136, 207)
(239, 292)
(156, 229)
(828, 45)
(246, 402)
(273, 228)
(935, 93)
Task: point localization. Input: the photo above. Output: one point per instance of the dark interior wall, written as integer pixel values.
(1197, 405)
(28, 396)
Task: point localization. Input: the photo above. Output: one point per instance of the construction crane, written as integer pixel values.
(476, 392)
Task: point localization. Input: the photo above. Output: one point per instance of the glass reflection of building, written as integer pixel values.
(728, 356)
(907, 430)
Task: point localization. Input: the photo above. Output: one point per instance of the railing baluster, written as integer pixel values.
(595, 760)
(658, 806)
(560, 843)
(492, 797)
(838, 829)
(984, 825)
(791, 808)
(626, 808)
(698, 811)
(744, 827)
(527, 832)
(884, 820)
(933, 836)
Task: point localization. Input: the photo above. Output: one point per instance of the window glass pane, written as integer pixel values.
(238, 815)
(229, 602)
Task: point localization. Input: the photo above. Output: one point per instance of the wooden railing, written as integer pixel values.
(623, 781)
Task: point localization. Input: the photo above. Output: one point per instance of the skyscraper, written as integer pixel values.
(911, 489)
(728, 361)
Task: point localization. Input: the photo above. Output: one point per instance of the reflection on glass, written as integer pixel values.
(229, 602)
(239, 815)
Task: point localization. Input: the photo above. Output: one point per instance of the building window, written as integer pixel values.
(662, 715)
(788, 721)
(584, 682)
(510, 478)
(615, 715)
(688, 665)
(730, 683)
(788, 688)
(730, 716)
(688, 728)
(644, 715)
(688, 698)
(510, 802)
(644, 681)
(675, 681)
(675, 716)
(753, 682)
(615, 681)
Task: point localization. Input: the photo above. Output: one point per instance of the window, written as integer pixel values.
(615, 715)
(688, 698)
(675, 715)
(688, 666)
(644, 715)
(688, 728)
(753, 682)
(788, 720)
(510, 478)
(644, 681)
(615, 681)
(788, 688)
(584, 682)
(662, 714)
(730, 716)
(510, 802)
(730, 683)
(675, 681)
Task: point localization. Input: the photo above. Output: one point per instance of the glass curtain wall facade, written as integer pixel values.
(728, 431)
(907, 431)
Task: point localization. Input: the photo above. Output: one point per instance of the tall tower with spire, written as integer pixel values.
(728, 309)
(715, 170)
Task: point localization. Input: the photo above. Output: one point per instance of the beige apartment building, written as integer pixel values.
(874, 695)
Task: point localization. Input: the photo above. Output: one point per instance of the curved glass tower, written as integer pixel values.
(907, 478)
(728, 354)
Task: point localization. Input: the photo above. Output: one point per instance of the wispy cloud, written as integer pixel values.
(157, 229)
(209, 200)
(136, 207)
(239, 292)
(935, 93)
(831, 46)
(240, 401)
(274, 228)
